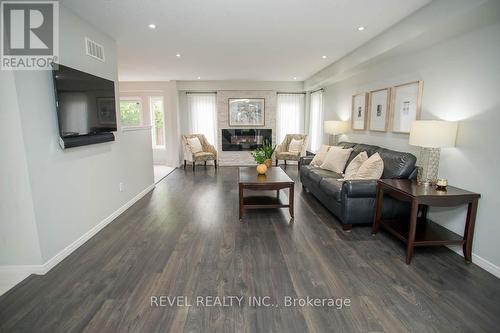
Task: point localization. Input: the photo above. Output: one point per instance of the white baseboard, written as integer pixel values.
(480, 261)
(12, 275)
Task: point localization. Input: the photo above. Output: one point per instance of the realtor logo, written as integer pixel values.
(29, 34)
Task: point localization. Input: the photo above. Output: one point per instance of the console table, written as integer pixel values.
(420, 231)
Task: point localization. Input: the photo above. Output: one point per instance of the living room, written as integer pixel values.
(330, 167)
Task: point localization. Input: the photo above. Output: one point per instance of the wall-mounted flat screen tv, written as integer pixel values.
(85, 103)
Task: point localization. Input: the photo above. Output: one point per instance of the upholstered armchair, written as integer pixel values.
(282, 151)
(208, 153)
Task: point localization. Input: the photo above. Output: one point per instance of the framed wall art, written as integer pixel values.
(406, 105)
(246, 111)
(378, 110)
(358, 116)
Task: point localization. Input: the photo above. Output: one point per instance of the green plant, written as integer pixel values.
(259, 155)
(268, 149)
(263, 153)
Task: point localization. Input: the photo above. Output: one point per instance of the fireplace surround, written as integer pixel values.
(245, 139)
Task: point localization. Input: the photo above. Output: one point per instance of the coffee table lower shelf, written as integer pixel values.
(428, 233)
(263, 201)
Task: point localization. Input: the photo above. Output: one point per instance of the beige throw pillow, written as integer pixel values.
(335, 159)
(295, 146)
(372, 168)
(353, 167)
(194, 144)
(320, 156)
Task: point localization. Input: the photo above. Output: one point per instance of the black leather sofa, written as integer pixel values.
(353, 201)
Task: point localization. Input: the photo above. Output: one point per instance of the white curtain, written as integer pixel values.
(290, 115)
(316, 120)
(203, 115)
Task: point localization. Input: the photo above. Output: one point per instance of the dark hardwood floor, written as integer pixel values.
(185, 239)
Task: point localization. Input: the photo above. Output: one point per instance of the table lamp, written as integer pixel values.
(335, 128)
(431, 136)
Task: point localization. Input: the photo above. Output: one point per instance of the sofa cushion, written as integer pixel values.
(332, 187)
(204, 156)
(370, 150)
(194, 144)
(397, 165)
(336, 159)
(353, 167)
(316, 175)
(286, 155)
(320, 155)
(372, 168)
(295, 146)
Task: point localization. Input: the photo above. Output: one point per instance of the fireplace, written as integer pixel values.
(244, 139)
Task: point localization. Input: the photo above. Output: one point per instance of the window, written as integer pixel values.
(203, 115)
(131, 111)
(290, 115)
(316, 120)
(157, 121)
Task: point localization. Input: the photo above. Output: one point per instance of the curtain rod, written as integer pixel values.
(201, 92)
(321, 89)
(291, 93)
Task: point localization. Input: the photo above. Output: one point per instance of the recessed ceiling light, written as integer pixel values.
(324, 57)
(178, 55)
(361, 28)
(199, 77)
(152, 26)
(294, 78)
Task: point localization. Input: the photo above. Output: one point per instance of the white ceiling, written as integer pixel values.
(272, 40)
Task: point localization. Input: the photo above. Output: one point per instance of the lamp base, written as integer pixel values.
(332, 139)
(428, 162)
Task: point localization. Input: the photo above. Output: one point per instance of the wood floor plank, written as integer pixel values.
(185, 239)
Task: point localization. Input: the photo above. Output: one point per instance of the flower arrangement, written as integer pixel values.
(263, 156)
(259, 155)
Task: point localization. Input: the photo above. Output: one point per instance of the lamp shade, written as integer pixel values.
(433, 133)
(336, 127)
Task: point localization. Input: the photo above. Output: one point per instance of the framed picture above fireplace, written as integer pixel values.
(246, 111)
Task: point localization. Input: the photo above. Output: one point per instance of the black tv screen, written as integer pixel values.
(85, 103)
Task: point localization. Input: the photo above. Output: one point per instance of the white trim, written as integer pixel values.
(12, 275)
(480, 261)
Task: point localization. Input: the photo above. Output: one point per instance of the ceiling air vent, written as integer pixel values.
(94, 49)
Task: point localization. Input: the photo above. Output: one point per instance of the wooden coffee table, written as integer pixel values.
(275, 179)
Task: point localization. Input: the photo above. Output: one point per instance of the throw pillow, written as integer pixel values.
(335, 159)
(353, 167)
(372, 168)
(319, 158)
(295, 146)
(194, 144)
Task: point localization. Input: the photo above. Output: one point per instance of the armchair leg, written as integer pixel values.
(205, 164)
(276, 162)
(285, 163)
(193, 166)
(215, 163)
(185, 164)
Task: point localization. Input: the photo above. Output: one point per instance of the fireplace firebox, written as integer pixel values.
(244, 139)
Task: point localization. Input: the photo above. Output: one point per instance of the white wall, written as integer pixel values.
(168, 89)
(18, 231)
(461, 75)
(73, 190)
(230, 89)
